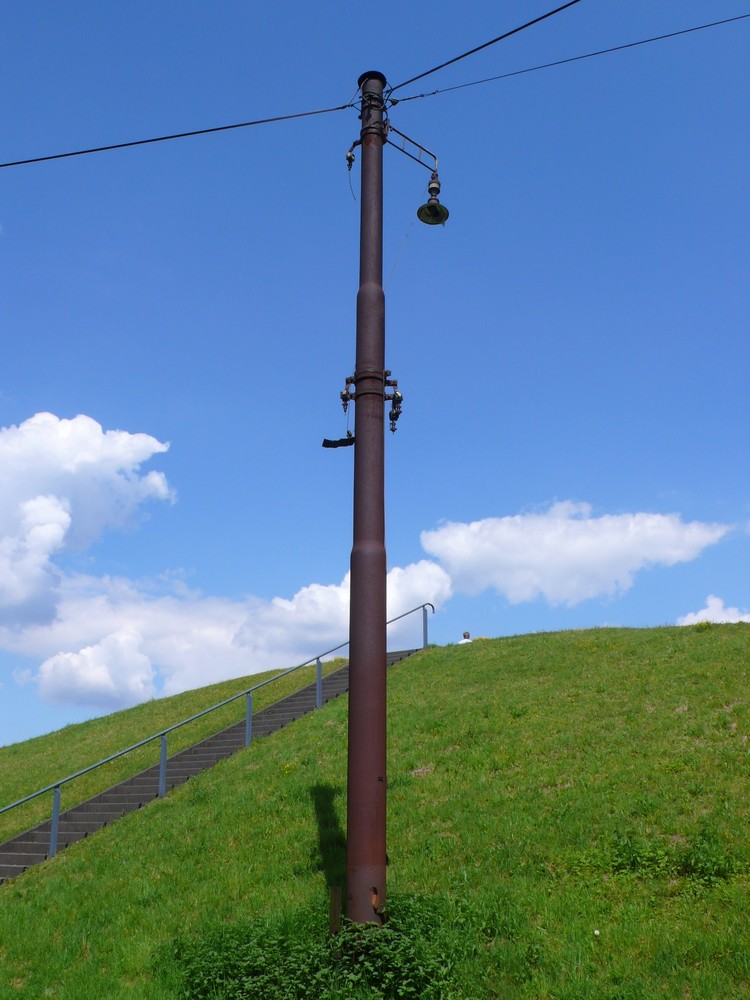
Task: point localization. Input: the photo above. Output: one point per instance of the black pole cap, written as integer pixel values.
(372, 75)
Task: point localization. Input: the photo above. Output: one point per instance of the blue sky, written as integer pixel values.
(179, 321)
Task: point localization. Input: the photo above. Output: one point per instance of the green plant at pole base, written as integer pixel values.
(294, 958)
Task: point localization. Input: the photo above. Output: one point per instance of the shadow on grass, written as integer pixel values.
(331, 855)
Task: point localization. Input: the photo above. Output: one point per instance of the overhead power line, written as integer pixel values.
(485, 45)
(401, 100)
(571, 59)
(176, 135)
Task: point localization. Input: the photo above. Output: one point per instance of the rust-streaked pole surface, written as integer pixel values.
(366, 779)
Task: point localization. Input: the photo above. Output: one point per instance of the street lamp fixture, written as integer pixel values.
(433, 213)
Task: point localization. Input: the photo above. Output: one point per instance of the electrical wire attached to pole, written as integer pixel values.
(571, 59)
(485, 45)
(176, 135)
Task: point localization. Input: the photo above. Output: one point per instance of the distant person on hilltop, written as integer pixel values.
(466, 638)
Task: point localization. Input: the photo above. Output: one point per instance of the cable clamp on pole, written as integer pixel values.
(396, 400)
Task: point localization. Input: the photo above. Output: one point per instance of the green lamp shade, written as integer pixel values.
(433, 213)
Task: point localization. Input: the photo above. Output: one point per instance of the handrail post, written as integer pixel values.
(55, 822)
(248, 719)
(318, 683)
(163, 767)
(424, 626)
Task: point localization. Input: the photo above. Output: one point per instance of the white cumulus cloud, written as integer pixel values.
(714, 611)
(95, 472)
(111, 674)
(33, 533)
(112, 644)
(63, 483)
(564, 554)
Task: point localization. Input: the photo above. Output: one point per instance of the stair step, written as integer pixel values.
(11, 871)
(21, 860)
(68, 826)
(41, 837)
(99, 808)
(206, 759)
(174, 781)
(185, 767)
(24, 845)
(127, 800)
(34, 836)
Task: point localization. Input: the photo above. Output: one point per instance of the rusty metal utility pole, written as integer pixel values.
(366, 780)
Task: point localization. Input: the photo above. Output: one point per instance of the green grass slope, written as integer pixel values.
(578, 800)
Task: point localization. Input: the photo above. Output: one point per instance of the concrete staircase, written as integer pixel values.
(30, 848)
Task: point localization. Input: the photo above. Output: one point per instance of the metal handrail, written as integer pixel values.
(162, 735)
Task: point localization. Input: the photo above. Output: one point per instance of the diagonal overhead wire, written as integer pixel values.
(413, 97)
(176, 135)
(571, 59)
(485, 45)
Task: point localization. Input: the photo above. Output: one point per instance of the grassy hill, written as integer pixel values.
(574, 806)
